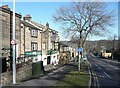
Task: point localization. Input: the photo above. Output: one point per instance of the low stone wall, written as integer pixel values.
(6, 77)
(48, 67)
(23, 73)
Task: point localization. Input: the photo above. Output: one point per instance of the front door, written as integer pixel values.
(48, 59)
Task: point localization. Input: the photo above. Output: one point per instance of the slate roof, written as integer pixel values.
(29, 24)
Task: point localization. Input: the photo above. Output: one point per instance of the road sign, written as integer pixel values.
(79, 49)
(13, 42)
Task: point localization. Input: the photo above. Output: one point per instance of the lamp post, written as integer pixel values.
(14, 52)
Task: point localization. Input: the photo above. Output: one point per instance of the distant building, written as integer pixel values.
(102, 46)
(67, 47)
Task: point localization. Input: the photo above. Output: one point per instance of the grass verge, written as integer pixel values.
(76, 78)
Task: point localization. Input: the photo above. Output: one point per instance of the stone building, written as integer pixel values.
(54, 40)
(53, 52)
(50, 40)
(45, 42)
(30, 40)
(6, 32)
(68, 48)
(37, 41)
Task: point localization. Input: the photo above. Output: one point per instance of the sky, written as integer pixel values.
(42, 12)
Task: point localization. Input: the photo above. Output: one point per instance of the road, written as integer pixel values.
(106, 72)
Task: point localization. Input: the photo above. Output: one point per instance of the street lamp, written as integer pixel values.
(14, 61)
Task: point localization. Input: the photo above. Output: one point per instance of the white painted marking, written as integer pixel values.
(107, 75)
(55, 71)
(50, 73)
(99, 67)
(95, 64)
(103, 71)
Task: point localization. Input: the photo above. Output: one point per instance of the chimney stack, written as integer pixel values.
(27, 17)
(47, 25)
(5, 7)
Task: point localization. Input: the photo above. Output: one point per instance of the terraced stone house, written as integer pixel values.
(6, 34)
(38, 42)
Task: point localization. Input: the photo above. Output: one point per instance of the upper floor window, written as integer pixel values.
(34, 33)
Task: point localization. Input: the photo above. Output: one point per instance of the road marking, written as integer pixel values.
(95, 64)
(95, 78)
(50, 73)
(55, 71)
(99, 67)
(103, 72)
(107, 75)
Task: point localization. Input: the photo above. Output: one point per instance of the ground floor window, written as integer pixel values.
(34, 46)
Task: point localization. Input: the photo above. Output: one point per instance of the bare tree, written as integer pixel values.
(80, 19)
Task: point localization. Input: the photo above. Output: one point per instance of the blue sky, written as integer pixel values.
(42, 12)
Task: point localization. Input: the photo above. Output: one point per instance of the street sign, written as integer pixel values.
(13, 42)
(79, 49)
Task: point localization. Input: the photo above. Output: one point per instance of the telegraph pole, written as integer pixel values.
(14, 52)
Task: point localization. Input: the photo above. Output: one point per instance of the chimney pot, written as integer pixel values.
(47, 24)
(5, 7)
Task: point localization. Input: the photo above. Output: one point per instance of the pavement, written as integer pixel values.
(49, 78)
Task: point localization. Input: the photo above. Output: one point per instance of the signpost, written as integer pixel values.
(13, 42)
(79, 55)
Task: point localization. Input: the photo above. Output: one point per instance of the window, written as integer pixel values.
(34, 46)
(34, 33)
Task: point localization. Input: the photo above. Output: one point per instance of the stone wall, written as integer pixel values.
(6, 78)
(6, 28)
(5, 37)
(22, 74)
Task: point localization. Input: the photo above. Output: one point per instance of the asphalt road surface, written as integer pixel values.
(107, 72)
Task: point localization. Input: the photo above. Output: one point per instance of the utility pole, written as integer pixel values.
(14, 52)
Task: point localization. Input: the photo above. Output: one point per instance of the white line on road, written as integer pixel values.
(95, 64)
(107, 75)
(50, 73)
(99, 67)
(96, 78)
(103, 72)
